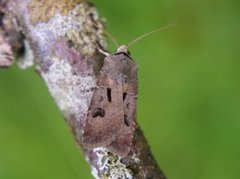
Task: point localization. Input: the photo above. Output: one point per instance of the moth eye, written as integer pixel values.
(124, 95)
(98, 112)
(126, 122)
(109, 94)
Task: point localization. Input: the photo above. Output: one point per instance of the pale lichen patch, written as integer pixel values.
(110, 166)
(72, 93)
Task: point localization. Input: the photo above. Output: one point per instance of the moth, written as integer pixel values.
(111, 119)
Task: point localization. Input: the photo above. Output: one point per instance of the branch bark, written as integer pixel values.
(61, 39)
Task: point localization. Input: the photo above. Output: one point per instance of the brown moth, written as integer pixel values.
(111, 117)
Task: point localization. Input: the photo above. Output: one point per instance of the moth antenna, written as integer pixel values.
(108, 34)
(149, 33)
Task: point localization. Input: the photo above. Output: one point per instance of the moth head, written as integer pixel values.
(123, 49)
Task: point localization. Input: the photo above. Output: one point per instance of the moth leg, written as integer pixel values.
(103, 52)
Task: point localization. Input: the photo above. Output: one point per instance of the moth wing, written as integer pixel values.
(123, 142)
(105, 118)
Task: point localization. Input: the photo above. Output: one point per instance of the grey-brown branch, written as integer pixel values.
(61, 39)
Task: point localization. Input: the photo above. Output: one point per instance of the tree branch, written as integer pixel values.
(61, 39)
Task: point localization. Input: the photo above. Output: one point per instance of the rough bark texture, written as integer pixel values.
(61, 37)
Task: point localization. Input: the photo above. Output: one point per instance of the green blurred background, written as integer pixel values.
(189, 95)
